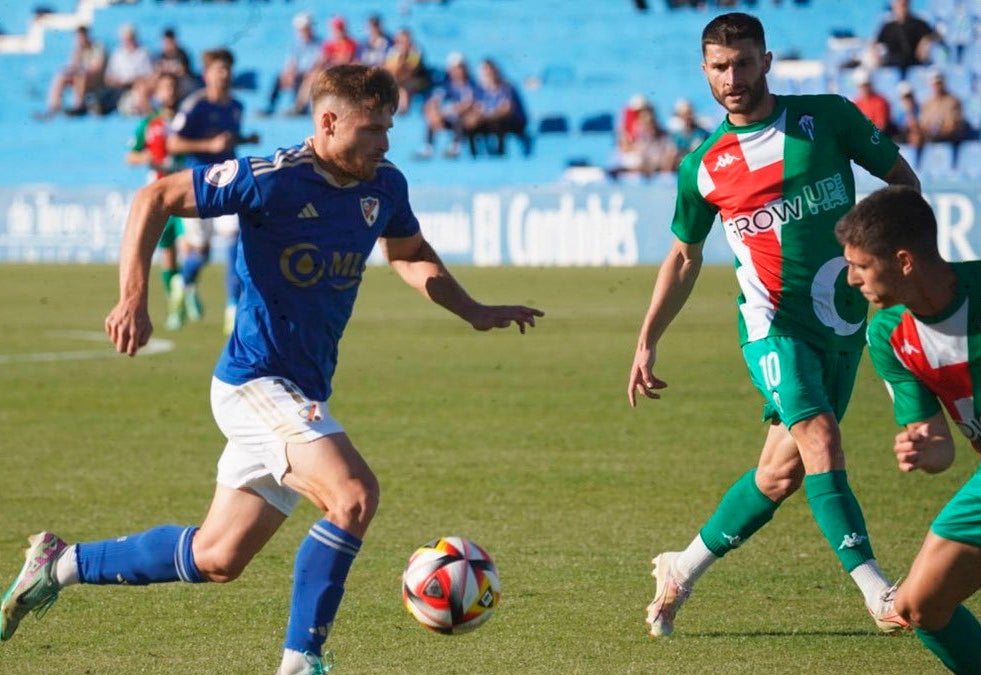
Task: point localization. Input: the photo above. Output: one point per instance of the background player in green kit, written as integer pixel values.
(778, 173)
(926, 345)
(148, 147)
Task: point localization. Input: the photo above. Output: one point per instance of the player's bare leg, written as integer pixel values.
(332, 474)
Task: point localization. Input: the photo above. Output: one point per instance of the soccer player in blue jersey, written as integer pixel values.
(207, 129)
(310, 216)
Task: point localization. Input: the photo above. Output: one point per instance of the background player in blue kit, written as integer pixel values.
(310, 215)
(207, 129)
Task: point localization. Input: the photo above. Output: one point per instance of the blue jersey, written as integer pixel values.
(199, 118)
(304, 244)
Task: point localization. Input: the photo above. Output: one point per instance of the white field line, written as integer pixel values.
(154, 346)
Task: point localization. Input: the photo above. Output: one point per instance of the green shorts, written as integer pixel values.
(173, 229)
(960, 519)
(798, 380)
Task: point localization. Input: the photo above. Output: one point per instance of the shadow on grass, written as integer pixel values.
(781, 633)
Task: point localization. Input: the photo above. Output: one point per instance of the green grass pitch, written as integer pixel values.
(524, 443)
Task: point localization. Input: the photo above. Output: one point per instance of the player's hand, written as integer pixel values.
(129, 327)
(486, 317)
(918, 448)
(642, 377)
(222, 142)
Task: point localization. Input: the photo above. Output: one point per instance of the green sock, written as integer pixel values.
(958, 644)
(839, 516)
(167, 275)
(742, 511)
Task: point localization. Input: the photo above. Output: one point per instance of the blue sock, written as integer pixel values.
(158, 555)
(233, 285)
(191, 267)
(322, 564)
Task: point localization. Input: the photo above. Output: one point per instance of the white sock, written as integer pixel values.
(693, 561)
(66, 567)
(871, 581)
(294, 662)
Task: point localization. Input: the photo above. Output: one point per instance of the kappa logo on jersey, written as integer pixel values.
(725, 160)
(369, 209)
(909, 348)
(806, 124)
(308, 212)
(222, 174)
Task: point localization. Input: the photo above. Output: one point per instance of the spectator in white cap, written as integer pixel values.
(300, 60)
(872, 104)
(686, 132)
(907, 117)
(628, 117)
(447, 105)
(128, 64)
(942, 116)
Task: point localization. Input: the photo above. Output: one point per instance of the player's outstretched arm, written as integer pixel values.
(674, 283)
(128, 324)
(927, 445)
(420, 267)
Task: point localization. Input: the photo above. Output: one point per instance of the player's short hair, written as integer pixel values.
(888, 220)
(220, 54)
(726, 29)
(367, 86)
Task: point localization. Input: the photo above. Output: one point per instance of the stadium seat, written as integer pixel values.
(968, 161)
(937, 161)
(247, 79)
(553, 124)
(601, 123)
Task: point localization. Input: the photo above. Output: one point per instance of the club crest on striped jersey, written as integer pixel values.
(369, 209)
(806, 124)
(222, 174)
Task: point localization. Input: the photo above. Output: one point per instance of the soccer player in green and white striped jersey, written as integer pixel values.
(926, 345)
(777, 172)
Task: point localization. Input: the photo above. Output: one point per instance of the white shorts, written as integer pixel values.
(198, 231)
(259, 418)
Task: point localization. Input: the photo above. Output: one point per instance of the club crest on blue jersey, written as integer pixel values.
(222, 174)
(369, 209)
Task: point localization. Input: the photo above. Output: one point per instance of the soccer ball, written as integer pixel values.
(450, 585)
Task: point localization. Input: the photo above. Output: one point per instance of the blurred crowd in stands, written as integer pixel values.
(479, 113)
(901, 79)
(903, 45)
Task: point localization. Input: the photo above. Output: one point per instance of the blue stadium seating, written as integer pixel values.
(570, 59)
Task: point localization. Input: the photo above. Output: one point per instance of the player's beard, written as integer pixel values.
(753, 98)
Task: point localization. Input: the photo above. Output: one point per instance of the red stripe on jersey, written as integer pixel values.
(950, 382)
(739, 191)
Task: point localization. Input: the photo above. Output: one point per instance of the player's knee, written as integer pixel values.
(923, 611)
(779, 482)
(355, 504)
(219, 566)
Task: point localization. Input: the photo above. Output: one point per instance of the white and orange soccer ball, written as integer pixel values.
(450, 585)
